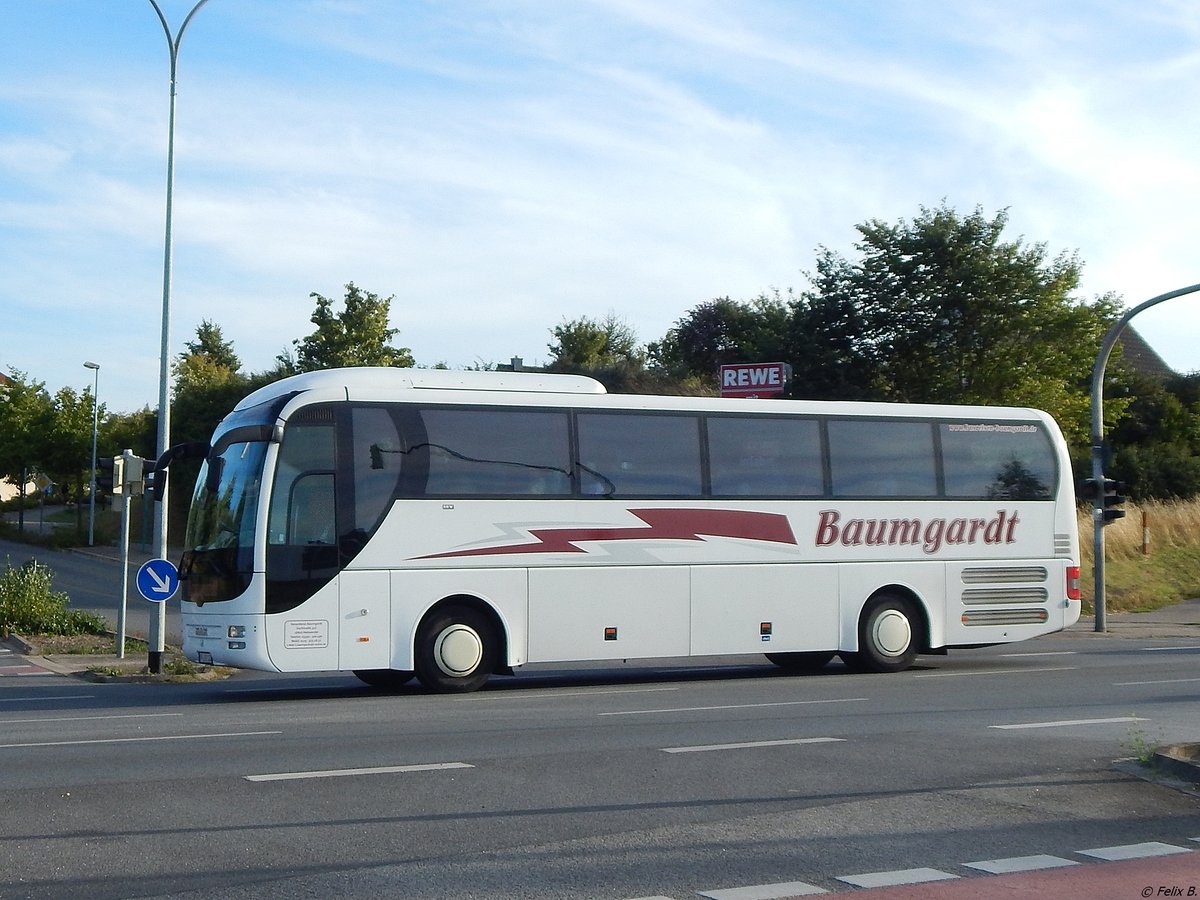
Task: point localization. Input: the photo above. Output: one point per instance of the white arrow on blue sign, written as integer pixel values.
(157, 580)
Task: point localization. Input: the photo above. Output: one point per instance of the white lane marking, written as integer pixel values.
(748, 745)
(765, 891)
(1165, 681)
(165, 737)
(551, 693)
(375, 770)
(1043, 653)
(1020, 864)
(994, 672)
(1135, 851)
(1165, 649)
(40, 698)
(896, 878)
(648, 712)
(1065, 723)
(94, 718)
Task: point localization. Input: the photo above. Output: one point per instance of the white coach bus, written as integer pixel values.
(452, 525)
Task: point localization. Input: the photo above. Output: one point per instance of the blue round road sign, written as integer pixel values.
(157, 580)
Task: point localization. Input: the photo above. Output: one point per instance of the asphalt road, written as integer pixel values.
(663, 780)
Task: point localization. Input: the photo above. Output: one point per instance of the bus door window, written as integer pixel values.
(302, 552)
(311, 517)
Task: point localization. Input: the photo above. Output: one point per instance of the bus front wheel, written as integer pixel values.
(456, 650)
(888, 635)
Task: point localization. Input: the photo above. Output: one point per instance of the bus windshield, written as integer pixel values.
(220, 532)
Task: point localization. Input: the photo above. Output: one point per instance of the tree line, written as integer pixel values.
(942, 308)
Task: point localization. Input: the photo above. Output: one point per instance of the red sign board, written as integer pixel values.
(754, 379)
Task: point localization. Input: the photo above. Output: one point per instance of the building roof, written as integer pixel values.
(1141, 356)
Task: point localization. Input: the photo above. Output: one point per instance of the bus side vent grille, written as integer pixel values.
(1005, 617)
(981, 596)
(1003, 574)
(1062, 545)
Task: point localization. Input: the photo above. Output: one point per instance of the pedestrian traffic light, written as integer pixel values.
(133, 475)
(110, 474)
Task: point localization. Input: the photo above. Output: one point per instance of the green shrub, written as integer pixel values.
(29, 606)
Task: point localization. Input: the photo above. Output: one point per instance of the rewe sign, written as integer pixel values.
(754, 379)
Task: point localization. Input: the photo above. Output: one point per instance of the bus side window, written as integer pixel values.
(880, 458)
(639, 455)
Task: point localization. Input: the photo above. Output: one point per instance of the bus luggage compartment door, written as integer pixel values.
(365, 614)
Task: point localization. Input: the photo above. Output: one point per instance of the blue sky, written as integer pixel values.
(502, 165)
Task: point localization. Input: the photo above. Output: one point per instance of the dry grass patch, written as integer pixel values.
(1135, 580)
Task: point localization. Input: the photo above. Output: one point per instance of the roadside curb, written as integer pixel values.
(1181, 761)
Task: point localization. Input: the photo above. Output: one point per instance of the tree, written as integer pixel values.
(211, 345)
(26, 416)
(357, 336)
(590, 344)
(825, 346)
(67, 454)
(723, 331)
(952, 313)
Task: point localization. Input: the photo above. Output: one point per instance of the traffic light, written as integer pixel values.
(1107, 497)
(1114, 497)
(150, 479)
(110, 475)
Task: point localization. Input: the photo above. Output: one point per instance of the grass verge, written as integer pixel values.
(1135, 581)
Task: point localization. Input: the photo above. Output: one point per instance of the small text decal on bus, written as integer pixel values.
(931, 534)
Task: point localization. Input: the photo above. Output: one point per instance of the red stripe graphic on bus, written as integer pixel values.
(662, 525)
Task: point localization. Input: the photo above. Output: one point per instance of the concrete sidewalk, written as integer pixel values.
(1179, 620)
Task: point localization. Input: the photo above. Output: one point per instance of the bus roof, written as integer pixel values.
(382, 378)
(444, 385)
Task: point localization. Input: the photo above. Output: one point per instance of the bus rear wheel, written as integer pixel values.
(888, 635)
(456, 650)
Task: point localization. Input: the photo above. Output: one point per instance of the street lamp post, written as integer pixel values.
(1098, 447)
(95, 367)
(158, 623)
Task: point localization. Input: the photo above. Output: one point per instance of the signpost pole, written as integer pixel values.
(121, 610)
(124, 576)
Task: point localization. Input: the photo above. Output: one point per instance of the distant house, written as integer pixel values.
(1141, 356)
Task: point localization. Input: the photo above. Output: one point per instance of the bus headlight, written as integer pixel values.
(237, 631)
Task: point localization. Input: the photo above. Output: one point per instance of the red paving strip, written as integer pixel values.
(1160, 876)
(23, 670)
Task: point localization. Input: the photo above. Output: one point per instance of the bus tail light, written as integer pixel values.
(1073, 592)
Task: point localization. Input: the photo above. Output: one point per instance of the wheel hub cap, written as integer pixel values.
(458, 650)
(892, 633)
